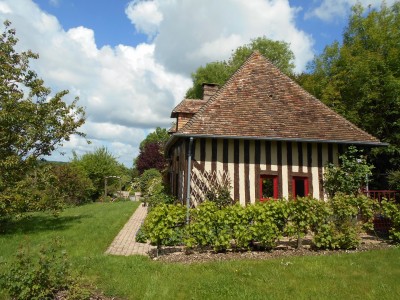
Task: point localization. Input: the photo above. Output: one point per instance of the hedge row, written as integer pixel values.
(334, 224)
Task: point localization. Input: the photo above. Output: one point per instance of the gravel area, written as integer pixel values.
(284, 249)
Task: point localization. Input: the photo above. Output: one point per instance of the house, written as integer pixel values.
(260, 131)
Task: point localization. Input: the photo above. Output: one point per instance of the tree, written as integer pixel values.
(97, 166)
(33, 121)
(73, 183)
(159, 136)
(150, 157)
(277, 52)
(360, 78)
(350, 176)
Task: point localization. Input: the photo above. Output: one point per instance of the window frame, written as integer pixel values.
(306, 186)
(275, 187)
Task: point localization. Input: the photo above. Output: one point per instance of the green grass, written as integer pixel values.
(87, 231)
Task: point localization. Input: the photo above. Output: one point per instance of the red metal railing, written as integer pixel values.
(381, 223)
(380, 194)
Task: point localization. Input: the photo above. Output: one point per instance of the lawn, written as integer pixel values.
(87, 231)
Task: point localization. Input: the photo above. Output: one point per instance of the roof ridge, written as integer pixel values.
(213, 97)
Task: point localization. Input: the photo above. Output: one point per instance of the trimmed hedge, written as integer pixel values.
(334, 224)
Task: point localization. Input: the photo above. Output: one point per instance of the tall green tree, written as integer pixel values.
(100, 164)
(160, 136)
(360, 78)
(33, 121)
(219, 72)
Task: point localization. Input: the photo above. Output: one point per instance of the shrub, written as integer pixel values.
(350, 176)
(391, 210)
(348, 215)
(37, 191)
(394, 179)
(101, 164)
(304, 214)
(42, 276)
(335, 224)
(236, 226)
(332, 236)
(164, 224)
(73, 183)
(156, 193)
(141, 235)
(146, 178)
(268, 221)
(203, 225)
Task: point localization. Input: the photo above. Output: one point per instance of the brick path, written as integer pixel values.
(124, 243)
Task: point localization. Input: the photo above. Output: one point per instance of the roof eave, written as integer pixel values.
(304, 140)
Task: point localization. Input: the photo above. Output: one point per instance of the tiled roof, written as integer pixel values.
(190, 106)
(259, 101)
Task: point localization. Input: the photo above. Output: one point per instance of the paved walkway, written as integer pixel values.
(124, 243)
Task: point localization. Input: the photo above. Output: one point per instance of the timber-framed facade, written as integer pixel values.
(263, 132)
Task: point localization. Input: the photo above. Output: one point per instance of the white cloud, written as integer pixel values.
(4, 8)
(145, 16)
(128, 91)
(194, 32)
(124, 90)
(328, 10)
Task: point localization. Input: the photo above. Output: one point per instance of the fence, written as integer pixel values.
(382, 224)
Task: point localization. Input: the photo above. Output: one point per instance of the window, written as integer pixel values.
(300, 187)
(268, 187)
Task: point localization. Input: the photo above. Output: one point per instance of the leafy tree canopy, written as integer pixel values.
(100, 164)
(150, 157)
(33, 122)
(350, 176)
(360, 78)
(159, 136)
(219, 72)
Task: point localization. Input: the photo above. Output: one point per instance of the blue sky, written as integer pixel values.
(130, 61)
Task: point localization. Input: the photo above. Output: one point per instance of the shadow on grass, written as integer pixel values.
(39, 223)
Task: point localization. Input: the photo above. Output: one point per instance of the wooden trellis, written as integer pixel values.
(203, 182)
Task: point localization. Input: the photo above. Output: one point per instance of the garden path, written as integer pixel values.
(125, 242)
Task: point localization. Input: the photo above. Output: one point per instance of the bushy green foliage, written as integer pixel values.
(348, 216)
(152, 187)
(350, 176)
(141, 235)
(33, 121)
(334, 224)
(358, 77)
(209, 226)
(234, 226)
(98, 165)
(164, 224)
(73, 183)
(157, 194)
(37, 191)
(41, 275)
(160, 136)
(268, 222)
(394, 180)
(304, 214)
(391, 210)
(144, 180)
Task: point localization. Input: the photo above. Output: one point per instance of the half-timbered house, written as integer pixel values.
(262, 132)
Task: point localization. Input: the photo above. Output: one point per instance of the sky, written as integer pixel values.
(130, 61)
